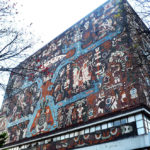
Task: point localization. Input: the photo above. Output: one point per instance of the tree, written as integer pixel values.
(142, 7)
(15, 40)
(3, 138)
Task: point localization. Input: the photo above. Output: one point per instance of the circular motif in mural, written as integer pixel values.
(104, 55)
(42, 119)
(108, 101)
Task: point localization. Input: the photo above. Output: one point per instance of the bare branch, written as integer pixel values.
(3, 55)
(9, 55)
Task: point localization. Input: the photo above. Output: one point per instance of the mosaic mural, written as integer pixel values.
(140, 41)
(87, 72)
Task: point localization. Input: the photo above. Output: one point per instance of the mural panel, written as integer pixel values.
(84, 73)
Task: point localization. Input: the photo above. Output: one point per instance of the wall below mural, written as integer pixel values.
(85, 73)
(89, 139)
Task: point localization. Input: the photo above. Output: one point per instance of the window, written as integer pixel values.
(117, 123)
(62, 137)
(66, 136)
(71, 134)
(92, 129)
(131, 119)
(139, 124)
(110, 124)
(76, 133)
(58, 138)
(104, 126)
(138, 117)
(98, 127)
(124, 121)
(141, 131)
(87, 130)
(82, 132)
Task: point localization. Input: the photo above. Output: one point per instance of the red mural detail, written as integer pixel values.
(91, 98)
(38, 123)
(107, 45)
(86, 45)
(70, 53)
(45, 90)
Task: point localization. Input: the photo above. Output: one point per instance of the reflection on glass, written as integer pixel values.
(131, 119)
(104, 126)
(138, 117)
(87, 130)
(110, 124)
(123, 121)
(98, 127)
(117, 123)
(139, 124)
(141, 131)
(92, 129)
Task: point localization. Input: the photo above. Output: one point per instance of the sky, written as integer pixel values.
(50, 18)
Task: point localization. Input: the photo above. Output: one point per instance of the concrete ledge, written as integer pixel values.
(136, 142)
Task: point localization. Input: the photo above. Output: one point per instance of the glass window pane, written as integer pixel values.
(76, 133)
(98, 127)
(138, 117)
(87, 130)
(131, 119)
(141, 131)
(58, 138)
(46, 141)
(104, 126)
(62, 137)
(139, 124)
(123, 121)
(92, 129)
(71, 134)
(82, 132)
(110, 124)
(66, 136)
(117, 123)
(33, 144)
(42, 142)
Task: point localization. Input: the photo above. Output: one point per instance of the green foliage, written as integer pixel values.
(3, 138)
